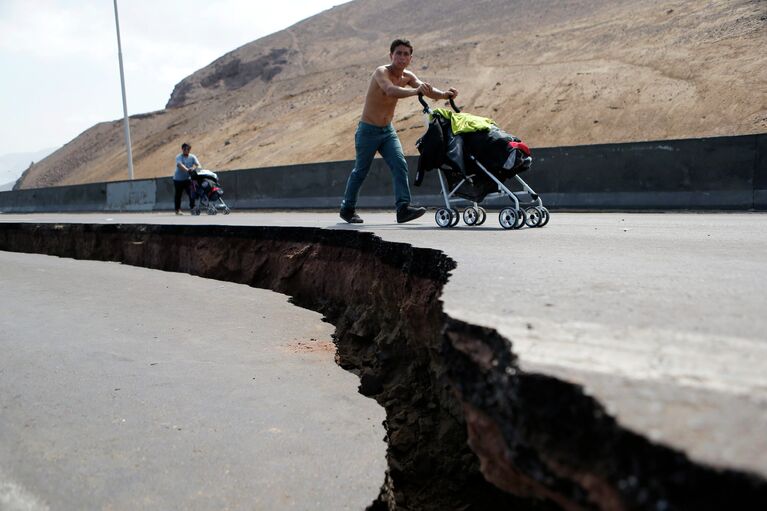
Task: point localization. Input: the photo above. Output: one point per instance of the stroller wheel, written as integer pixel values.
(227, 211)
(482, 216)
(534, 217)
(444, 217)
(508, 218)
(456, 217)
(521, 218)
(545, 216)
(470, 216)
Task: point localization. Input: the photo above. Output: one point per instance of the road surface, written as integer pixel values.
(659, 316)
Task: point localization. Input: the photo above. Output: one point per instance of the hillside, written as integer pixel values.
(554, 72)
(13, 165)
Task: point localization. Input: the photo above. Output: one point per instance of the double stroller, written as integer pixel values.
(207, 193)
(473, 158)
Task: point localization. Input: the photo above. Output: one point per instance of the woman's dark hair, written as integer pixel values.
(400, 42)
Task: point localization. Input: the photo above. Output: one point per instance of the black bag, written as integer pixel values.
(492, 148)
(437, 147)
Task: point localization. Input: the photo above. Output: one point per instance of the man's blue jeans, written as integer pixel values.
(367, 140)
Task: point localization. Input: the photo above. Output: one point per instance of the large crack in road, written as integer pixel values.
(465, 427)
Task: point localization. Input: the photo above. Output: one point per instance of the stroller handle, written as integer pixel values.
(426, 108)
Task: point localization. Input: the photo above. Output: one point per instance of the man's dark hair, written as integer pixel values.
(400, 42)
(185, 145)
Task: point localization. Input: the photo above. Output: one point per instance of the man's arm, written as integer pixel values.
(382, 79)
(431, 92)
(181, 165)
(434, 93)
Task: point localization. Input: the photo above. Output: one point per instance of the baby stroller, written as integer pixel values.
(473, 158)
(207, 193)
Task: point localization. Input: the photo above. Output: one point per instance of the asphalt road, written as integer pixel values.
(659, 316)
(125, 388)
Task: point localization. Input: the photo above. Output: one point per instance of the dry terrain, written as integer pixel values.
(554, 72)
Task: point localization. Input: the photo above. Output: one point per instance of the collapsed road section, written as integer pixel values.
(465, 427)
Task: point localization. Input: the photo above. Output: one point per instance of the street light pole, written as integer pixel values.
(125, 102)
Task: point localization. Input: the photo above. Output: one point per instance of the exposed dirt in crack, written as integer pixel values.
(466, 429)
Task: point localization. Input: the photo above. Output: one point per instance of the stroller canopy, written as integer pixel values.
(201, 174)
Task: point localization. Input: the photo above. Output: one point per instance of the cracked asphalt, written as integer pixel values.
(660, 316)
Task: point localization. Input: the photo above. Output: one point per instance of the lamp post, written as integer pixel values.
(125, 102)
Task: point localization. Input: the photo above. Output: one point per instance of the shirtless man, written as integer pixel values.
(375, 132)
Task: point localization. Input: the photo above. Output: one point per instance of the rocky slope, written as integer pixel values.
(552, 72)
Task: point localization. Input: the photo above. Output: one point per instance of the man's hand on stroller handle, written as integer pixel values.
(427, 109)
(432, 92)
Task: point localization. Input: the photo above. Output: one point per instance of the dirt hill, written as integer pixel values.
(554, 72)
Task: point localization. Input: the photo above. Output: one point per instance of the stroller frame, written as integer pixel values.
(210, 207)
(204, 202)
(527, 212)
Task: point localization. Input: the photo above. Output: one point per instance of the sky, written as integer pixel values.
(59, 72)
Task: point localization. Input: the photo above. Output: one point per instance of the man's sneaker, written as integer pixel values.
(178, 212)
(350, 216)
(407, 213)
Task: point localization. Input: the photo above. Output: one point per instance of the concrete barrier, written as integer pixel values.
(131, 195)
(760, 173)
(706, 173)
(712, 173)
(88, 197)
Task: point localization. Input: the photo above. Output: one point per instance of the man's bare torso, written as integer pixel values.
(379, 108)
